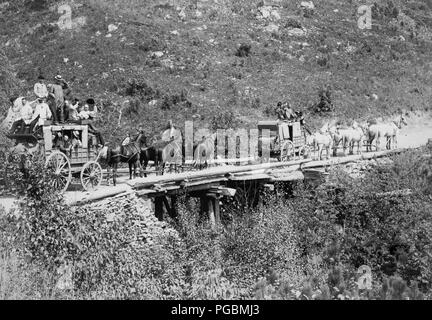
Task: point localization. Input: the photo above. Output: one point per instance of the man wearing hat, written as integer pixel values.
(89, 112)
(73, 110)
(40, 88)
(56, 91)
(16, 114)
(141, 136)
(279, 111)
(27, 114)
(76, 142)
(288, 111)
(42, 111)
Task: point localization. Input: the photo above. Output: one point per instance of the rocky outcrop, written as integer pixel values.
(147, 228)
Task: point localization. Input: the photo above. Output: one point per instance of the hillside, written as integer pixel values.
(154, 60)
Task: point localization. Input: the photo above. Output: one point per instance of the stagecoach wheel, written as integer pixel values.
(91, 176)
(60, 165)
(287, 151)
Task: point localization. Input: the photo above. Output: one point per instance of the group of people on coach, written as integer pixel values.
(54, 102)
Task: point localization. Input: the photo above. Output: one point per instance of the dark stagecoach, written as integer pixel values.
(79, 162)
(287, 139)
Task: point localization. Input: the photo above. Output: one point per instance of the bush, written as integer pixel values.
(225, 120)
(262, 241)
(307, 245)
(244, 50)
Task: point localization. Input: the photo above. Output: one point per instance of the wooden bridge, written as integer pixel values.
(210, 185)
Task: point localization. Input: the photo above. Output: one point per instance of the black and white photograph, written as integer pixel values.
(226, 151)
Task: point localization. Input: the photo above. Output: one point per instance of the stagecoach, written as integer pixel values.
(287, 139)
(80, 162)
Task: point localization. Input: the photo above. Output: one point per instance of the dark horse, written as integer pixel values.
(162, 151)
(130, 154)
(167, 149)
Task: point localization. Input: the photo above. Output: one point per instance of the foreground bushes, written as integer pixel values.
(309, 246)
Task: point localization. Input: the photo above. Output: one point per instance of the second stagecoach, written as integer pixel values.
(286, 140)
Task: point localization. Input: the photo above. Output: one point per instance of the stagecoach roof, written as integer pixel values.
(268, 123)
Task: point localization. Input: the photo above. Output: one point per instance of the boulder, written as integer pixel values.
(296, 32)
(308, 8)
(268, 12)
(152, 103)
(157, 54)
(112, 27)
(307, 5)
(265, 12)
(272, 28)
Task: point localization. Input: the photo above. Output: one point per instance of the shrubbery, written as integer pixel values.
(305, 245)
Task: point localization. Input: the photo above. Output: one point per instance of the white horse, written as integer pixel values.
(388, 130)
(348, 137)
(356, 136)
(204, 151)
(321, 139)
(340, 135)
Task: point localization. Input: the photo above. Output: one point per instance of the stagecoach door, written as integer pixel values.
(285, 132)
(296, 129)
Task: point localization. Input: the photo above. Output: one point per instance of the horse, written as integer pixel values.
(348, 136)
(357, 137)
(169, 147)
(128, 154)
(388, 130)
(204, 151)
(337, 135)
(321, 139)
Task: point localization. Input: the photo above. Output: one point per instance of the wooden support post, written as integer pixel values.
(217, 210)
(213, 209)
(203, 203)
(173, 206)
(159, 208)
(167, 205)
(211, 213)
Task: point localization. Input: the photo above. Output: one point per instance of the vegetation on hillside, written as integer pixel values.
(174, 59)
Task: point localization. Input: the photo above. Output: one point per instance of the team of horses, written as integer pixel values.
(169, 147)
(330, 136)
(137, 154)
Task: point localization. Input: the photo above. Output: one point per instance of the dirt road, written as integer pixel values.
(417, 133)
